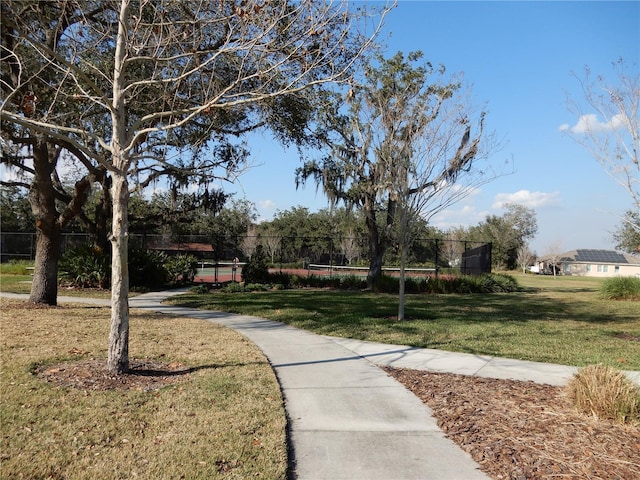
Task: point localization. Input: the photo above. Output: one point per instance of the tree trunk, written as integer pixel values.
(118, 359)
(44, 288)
(118, 356)
(401, 292)
(376, 253)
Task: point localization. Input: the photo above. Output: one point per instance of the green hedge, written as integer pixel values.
(87, 266)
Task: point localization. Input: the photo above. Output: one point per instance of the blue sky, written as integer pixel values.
(518, 58)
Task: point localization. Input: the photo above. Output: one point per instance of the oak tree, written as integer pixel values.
(162, 74)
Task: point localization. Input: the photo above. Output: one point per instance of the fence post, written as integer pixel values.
(436, 260)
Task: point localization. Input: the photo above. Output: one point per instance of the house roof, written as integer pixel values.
(599, 256)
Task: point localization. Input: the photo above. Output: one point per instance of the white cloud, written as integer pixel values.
(590, 123)
(266, 209)
(527, 198)
(267, 205)
(465, 216)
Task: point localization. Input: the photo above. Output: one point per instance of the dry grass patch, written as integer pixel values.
(605, 392)
(201, 402)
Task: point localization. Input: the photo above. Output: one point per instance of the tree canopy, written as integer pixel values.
(157, 84)
(401, 138)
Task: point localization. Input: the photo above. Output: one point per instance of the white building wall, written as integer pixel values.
(600, 270)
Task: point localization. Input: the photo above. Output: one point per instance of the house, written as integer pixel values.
(594, 263)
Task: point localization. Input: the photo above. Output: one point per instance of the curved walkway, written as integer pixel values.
(347, 418)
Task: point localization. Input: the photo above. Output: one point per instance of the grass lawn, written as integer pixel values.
(224, 419)
(558, 320)
(15, 283)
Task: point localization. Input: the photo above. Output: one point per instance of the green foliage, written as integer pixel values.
(15, 210)
(234, 287)
(200, 289)
(16, 267)
(487, 283)
(627, 236)
(621, 288)
(181, 268)
(507, 233)
(256, 269)
(282, 279)
(497, 282)
(86, 266)
(147, 268)
(386, 284)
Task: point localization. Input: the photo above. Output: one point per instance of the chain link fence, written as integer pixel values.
(424, 254)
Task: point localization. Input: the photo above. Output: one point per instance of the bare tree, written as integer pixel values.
(272, 243)
(349, 246)
(552, 256)
(445, 164)
(190, 62)
(453, 246)
(250, 241)
(524, 257)
(608, 125)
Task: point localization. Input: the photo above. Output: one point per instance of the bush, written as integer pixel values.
(256, 269)
(86, 266)
(498, 282)
(605, 393)
(621, 288)
(181, 268)
(488, 283)
(234, 287)
(147, 268)
(283, 280)
(200, 289)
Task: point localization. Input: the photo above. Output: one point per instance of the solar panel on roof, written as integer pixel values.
(600, 256)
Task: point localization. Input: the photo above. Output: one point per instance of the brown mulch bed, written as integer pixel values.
(522, 430)
(143, 375)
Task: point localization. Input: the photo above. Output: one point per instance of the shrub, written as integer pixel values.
(256, 269)
(352, 282)
(200, 289)
(621, 288)
(281, 279)
(86, 266)
(181, 268)
(386, 284)
(147, 268)
(605, 393)
(233, 287)
(498, 282)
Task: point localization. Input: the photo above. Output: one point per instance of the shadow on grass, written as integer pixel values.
(169, 372)
(327, 308)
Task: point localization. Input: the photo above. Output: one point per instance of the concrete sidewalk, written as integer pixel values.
(347, 418)
(401, 356)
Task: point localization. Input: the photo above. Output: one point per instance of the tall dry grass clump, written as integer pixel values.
(606, 393)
